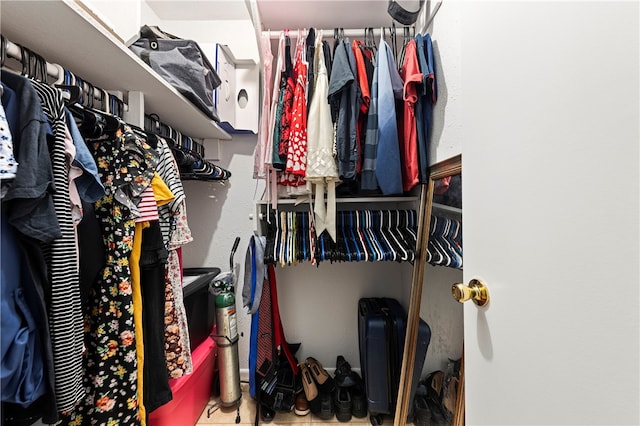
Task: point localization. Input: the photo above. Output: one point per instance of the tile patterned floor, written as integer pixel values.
(227, 416)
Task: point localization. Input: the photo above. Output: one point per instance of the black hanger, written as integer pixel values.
(93, 123)
(272, 230)
(371, 40)
(351, 224)
(405, 41)
(73, 90)
(90, 95)
(4, 45)
(393, 40)
(24, 60)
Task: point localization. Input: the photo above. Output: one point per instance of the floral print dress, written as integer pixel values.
(126, 167)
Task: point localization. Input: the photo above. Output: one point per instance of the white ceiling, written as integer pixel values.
(277, 15)
(199, 10)
(327, 14)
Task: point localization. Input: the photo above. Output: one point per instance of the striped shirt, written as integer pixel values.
(168, 170)
(65, 310)
(148, 207)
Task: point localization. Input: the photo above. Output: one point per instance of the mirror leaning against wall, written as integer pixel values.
(439, 243)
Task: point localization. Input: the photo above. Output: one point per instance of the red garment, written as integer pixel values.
(279, 339)
(410, 73)
(285, 122)
(179, 252)
(362, 76)
(363, 82)
(297, 150)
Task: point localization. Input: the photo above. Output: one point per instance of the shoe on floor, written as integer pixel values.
(266, 414)
(421, 411)
(435, 383)
(344, 376)
(343, 404)
(323, 380)
(308, 384)
(301, 406)
(323, 406)
(358, 401)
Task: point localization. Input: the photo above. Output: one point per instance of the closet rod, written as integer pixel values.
(53, 70)
(351, 32)
(13, 50)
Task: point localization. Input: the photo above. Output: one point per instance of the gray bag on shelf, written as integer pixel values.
(182, 63)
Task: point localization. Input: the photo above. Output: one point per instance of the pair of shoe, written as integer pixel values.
(429, 402)
(349, 398)
(318, 388)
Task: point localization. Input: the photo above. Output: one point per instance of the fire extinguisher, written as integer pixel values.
(226, 337)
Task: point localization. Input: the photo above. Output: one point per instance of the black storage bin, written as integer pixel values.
(199, 303)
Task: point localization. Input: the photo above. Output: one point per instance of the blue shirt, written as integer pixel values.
(89, 186)
(388, 167)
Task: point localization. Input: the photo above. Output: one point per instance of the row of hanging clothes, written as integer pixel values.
(350, 117)
(93, 223)
(362, 236)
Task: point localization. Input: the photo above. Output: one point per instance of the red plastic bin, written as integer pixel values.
(191, 393)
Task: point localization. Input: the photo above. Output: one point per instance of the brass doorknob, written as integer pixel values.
(476, 291)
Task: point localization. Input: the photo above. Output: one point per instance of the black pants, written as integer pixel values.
(153, 257)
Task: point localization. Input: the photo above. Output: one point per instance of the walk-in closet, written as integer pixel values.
(178, 256)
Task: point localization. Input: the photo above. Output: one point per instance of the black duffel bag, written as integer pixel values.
(182, 63)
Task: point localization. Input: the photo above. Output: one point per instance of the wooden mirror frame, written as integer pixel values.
(449, 167)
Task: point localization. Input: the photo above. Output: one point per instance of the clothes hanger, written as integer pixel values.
(359, 248)
(405, 41)
(353, 241)
(396, 231)
(277, 253)
(456, 259)
(376, 228)
(300, 240)
(396, 238)
(24, 60)
(343, 243)
(436, 257)
(400, 229)
(393, 41)
(271, 232)
(4, 45)
(372, 41)
(375, 244)
(367, 252)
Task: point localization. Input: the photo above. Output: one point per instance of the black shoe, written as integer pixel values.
(266, 414)
(344, 377)
(437, 415)
(421, 411)
(343, 404)
(358, 401)
(322, 406)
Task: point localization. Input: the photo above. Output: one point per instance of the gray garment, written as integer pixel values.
(368, 174)
(344, 100)
(255, 250)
